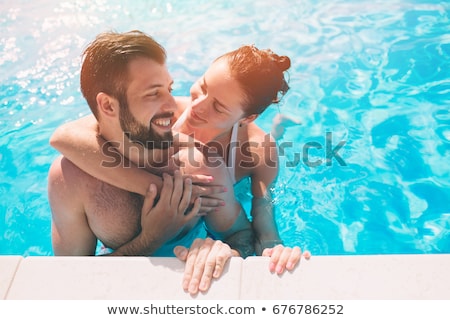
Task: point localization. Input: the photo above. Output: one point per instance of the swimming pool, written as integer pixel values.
(371, 76)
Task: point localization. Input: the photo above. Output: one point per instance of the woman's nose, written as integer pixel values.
(199, 103)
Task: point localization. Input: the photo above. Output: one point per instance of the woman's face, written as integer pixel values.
(217, 99)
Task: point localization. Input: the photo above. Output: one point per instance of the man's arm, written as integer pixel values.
(71, 234)
(162, 221)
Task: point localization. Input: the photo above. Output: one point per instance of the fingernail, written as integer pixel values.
(216, 272)
(225, 189)
(180, 252)
(279, 269)
(272, 267)
(192, 288)
(289, 265)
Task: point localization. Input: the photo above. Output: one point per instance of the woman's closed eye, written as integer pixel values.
(218, 108)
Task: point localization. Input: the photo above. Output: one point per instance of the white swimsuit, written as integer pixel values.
(233, 145)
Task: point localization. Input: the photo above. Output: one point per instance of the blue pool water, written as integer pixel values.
(371, 75)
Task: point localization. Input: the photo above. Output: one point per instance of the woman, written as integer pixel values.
(224, 102)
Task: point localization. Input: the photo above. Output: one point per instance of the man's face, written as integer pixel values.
(147, 115)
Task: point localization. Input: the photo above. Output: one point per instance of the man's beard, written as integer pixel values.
(141, 134)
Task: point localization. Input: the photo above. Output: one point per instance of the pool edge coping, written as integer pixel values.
(421, 276)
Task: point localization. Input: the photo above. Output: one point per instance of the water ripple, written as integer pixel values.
(373, 73)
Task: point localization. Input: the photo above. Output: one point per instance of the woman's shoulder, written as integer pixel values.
(263, 150)
(258, 141)
(256, 134)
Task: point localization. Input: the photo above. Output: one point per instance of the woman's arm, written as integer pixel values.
(228, 222)
(263, 220)
(268, 242)
(80, 142)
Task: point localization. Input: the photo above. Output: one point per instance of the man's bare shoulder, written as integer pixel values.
(65, 184)
(63, 173)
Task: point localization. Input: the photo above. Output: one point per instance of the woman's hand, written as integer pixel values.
(284, 258)
(205, 260)
(202, 187)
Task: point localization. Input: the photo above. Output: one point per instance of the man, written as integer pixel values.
(128, 88)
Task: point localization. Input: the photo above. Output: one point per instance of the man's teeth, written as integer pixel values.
(162, 122)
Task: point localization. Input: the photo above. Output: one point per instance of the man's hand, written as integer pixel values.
(163, 221)
(284, 258)
(205, 260)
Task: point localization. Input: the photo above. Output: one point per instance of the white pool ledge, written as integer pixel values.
(418, 277)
